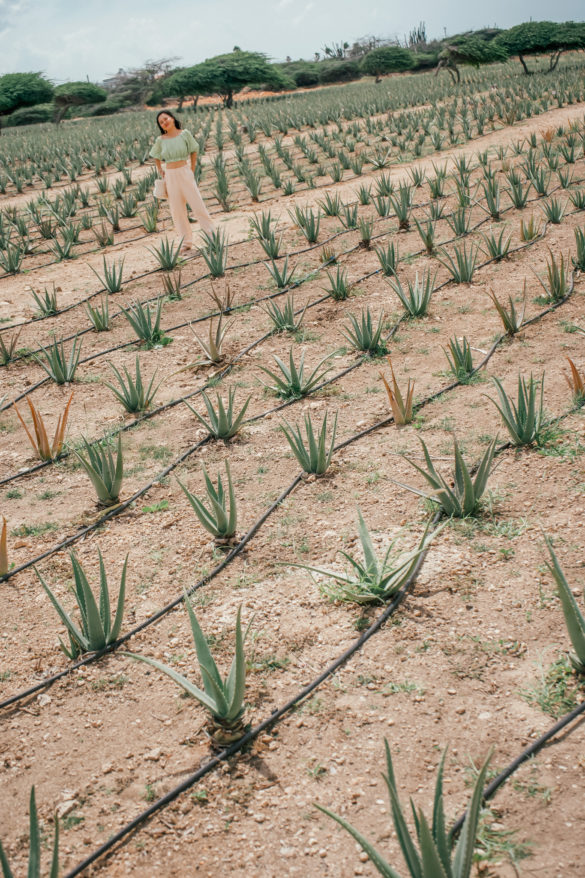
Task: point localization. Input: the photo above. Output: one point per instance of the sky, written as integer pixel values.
(79, 39)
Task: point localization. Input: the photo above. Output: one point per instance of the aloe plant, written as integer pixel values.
(3, 549)
(220, 519)
(281, 277)
(339, 287)
(512, 319)
(436, 857)
(366, 230)
(100, 315)
(8, 347)
(460, 496)
(11, 257)
(34, 846)
(96, 630)
(284, 319)
(373, 581)
(462, 267)
(46, 302)
(308, 222)
(460, 358)
(55, 363)
(112, 275)
(402, 206)
(105, 474)
(576, 382)
(172, 285)
(497, 248)
(213, 347)
(40, 442)
(427, 235)
(363, 335)
(573, 617)
(314, 454)
(224, 699)
(554, 211)
(167, 254)
(525, 418)
(134, 395)
(417, 300)
(146, 324)
(401, 404)
(579, 259)
(104, 234)
(215, 252)
(558, 283)
(292, 383)
(223, 423)
(388, 258)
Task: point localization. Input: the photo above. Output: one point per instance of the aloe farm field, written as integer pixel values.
(340, 443)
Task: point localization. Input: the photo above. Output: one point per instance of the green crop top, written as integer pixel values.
(174, 149)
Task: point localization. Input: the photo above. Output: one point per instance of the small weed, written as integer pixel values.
(71, 820)
(406, 686)
(107, 683)
(149, 792)
(157, 452)
(13, 494)
(317, 772)
(161, 506)
(556, 691)
(494, 844)
(34, 530)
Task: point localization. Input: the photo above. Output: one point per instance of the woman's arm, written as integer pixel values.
(193, 160)
(159, 168)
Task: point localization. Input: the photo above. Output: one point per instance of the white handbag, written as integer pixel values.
(160, 189)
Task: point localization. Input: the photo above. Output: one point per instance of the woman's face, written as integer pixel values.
(167, 123)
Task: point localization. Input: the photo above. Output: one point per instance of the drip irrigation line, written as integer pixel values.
(253, 733)
(121, 507)
(237, 243)
(415, 254)
(492, 788)
(151, 272)
(253, 530)
(93, 657)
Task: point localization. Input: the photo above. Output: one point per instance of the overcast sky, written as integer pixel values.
(75, 39)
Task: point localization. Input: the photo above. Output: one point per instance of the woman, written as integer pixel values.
(177, 149)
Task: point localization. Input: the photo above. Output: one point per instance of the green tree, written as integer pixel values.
(540, 37)
(386, 59)
(76, 94)
(472, 49)
(187, 82)
(23, 90)
(226, 75)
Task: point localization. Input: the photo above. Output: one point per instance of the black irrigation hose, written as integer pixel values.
(50, 680)
(202, 277)
(92, 657)
(121, 507)
(491, 788)
(292, 286)
(356, 437)
(252, 734)
(76, 304)
(274, 717)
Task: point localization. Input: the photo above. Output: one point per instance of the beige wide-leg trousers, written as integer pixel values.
(182, 190)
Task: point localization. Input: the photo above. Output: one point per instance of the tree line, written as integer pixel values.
(26, 98)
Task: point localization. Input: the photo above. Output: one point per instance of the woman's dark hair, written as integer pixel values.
(167, 113)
